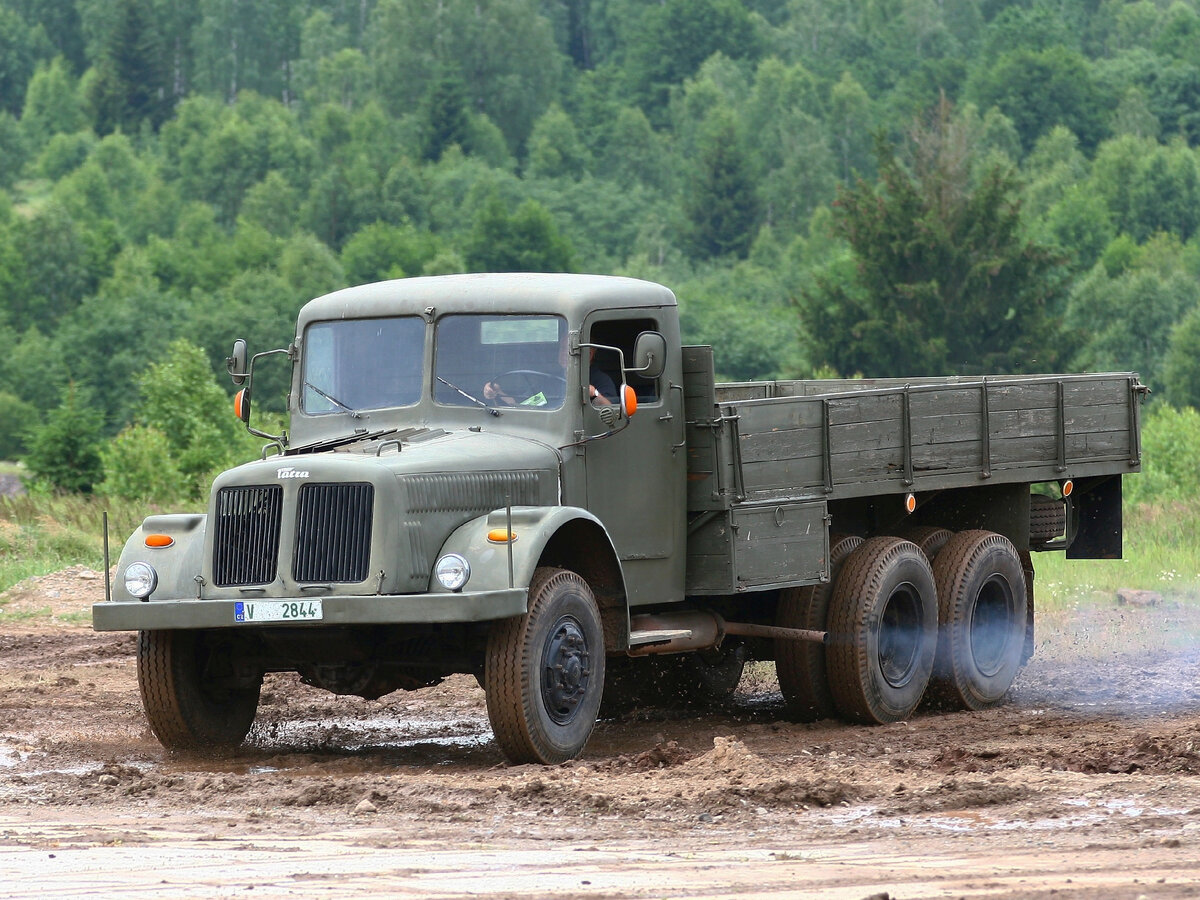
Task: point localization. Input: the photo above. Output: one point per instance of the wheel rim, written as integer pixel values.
(900, 636)
(991, 625)
(565, 670)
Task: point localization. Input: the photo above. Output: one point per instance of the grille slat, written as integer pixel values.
(246, 543)
(333, 532)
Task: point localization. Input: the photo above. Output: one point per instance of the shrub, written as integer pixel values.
(1170, 456)
(138, 466)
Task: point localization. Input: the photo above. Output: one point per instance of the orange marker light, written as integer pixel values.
(159, 540)
(500, 536)
(239, 401)
(629, 401)
(1067, 487)
(910, 502)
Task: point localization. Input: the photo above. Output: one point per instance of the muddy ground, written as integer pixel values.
(1087, 784)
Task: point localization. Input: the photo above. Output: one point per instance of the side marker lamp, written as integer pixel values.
(159, 541)
(1067, 487)
(910, 502)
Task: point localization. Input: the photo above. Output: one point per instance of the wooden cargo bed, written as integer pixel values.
(784, 444)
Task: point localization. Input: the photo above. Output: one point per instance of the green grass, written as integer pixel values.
(42, 534)
(1161, 553)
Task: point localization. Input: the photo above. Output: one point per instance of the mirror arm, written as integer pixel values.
(281, 439)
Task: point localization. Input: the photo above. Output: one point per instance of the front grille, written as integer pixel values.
(246, 543)
(333, 532)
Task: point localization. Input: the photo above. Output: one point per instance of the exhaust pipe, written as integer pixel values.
(692, 630)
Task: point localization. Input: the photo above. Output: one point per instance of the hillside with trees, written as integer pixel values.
(888, 187)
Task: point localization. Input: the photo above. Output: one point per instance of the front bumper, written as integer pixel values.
(153, 615)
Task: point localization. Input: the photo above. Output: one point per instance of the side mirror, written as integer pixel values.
(236, 365)
(649, 355)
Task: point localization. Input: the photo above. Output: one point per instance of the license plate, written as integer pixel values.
(249, 611)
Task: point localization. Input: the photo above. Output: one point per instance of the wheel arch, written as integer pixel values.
(562, 536)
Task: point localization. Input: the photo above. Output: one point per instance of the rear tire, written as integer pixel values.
(983, 617)
(882, 631)
(800, 665)
(544, 671)
(190, 703)
(930, 538)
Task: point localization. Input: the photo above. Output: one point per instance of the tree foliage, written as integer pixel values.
(945, 281)
(199, 170)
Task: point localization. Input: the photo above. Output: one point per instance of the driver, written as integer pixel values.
(602, 391)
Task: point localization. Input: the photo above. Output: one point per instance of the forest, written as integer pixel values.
(874, 187)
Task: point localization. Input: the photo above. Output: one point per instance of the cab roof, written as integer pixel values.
(570, 295)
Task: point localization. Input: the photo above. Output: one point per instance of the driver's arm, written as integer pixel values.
(492, 391)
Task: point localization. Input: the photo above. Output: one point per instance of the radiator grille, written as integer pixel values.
(246, 544)
(333, 532)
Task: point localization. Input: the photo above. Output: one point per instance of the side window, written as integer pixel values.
(622, 334)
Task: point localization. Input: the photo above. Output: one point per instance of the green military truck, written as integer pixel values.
(527, 477)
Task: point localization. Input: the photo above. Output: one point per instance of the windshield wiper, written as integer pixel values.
(491, 409)
(334, 400)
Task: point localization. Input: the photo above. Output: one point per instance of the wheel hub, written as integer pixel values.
(900, 636)
(992, 624)
(565, 671)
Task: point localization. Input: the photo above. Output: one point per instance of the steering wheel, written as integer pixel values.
(526, 383)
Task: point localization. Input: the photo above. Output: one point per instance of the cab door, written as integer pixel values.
(636, 475)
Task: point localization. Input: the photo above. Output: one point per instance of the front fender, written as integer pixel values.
(177, 565)
(533, 526)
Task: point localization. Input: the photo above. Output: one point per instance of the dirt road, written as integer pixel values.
(1087, 784)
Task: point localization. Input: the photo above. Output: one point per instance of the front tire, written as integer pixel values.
(983, 617)
(544, 671)
(192, 697)
(882, 631)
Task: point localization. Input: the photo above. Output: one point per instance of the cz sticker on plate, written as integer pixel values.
(249, 611)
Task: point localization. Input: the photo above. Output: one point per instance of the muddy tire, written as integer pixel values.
(1047, 518)
(544, 671)
(190, 702)
(800, 665)
(882, 631)
(982, 617)
(930, 538)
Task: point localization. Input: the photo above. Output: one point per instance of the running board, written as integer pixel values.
(638, 638)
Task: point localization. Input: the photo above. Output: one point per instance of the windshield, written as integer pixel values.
(499, 361)
(354, 364)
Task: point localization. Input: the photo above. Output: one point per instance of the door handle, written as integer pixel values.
(682, 443)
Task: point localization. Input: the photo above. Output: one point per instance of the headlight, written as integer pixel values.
(452, 571)
(140, 579)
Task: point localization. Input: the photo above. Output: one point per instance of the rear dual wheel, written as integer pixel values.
(801, 665)
(882, 631)
(983, 615)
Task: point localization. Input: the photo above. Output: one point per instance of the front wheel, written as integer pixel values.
(544, 671)
(192, 694)
(882, 631)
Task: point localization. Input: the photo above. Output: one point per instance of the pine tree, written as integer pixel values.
(130, 85)
(721, 205)
(447, 112)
